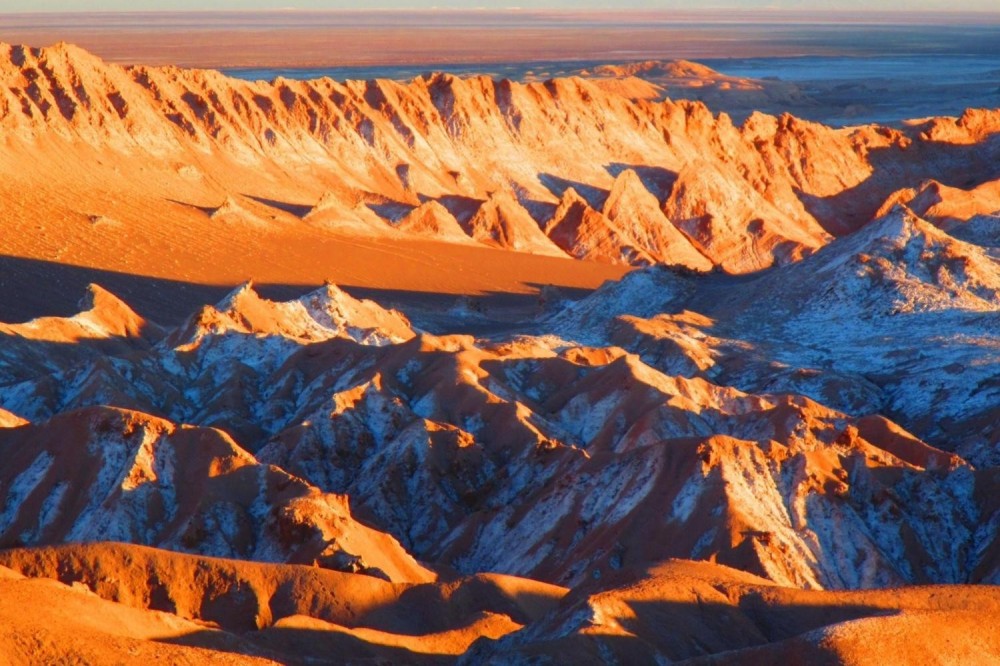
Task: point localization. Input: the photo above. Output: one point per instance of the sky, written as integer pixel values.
(11, 6)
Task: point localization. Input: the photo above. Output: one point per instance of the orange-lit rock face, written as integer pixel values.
(791, 397)
(564, 167)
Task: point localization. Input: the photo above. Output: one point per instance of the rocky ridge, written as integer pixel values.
(672, 183)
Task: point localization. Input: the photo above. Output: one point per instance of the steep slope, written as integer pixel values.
(501, 220)
(104, 473)
(433, 220)
(347, 213)
(631, 207)
(103, 315)
(736, 227)
(588, 234)
(105, 326)
(47, 622)
(972, 215)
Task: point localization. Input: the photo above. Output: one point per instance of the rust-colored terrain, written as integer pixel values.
(490, 372)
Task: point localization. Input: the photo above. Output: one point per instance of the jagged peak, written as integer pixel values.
(895, 265)
(899, 225)
(432, 219)
(97, 298)
(106, 310)
(68, 49)
(971, 127)
(697, 171)
(503, 220)
(570, 198)
(351, 198)
(502, 196)
(362, 320)
(438, 77)
(244, 294)
(628, 185)
(945, 205)
(431, 206)
(331, 295)
(629, 196)
(902, 227)
(572, 86)
(898, 198)
(102, 315)
(62, 54)
(324, 313)
(883, 238)
(759, 125)
(627, 178)
(58, 48)
(233, 312)
(502, 202)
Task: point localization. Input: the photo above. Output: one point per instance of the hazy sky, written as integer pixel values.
(827, 5)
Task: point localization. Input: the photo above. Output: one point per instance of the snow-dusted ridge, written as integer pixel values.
(633, 429)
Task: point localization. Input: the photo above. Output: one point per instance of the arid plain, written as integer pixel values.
(628, 365)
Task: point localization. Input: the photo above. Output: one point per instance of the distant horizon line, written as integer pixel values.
(517, 10)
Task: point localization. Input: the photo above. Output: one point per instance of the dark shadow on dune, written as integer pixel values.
(595, 196)
(298, 210)
(540, 211)
(31, 288)
(294, 646)
(491, 313)
(463, 208)
(393, 211)
(677, 630)
(711, 629)
(754, 627)
(779, 621)
(207, 210)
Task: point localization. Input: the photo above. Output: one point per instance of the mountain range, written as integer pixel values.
(770, 434)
